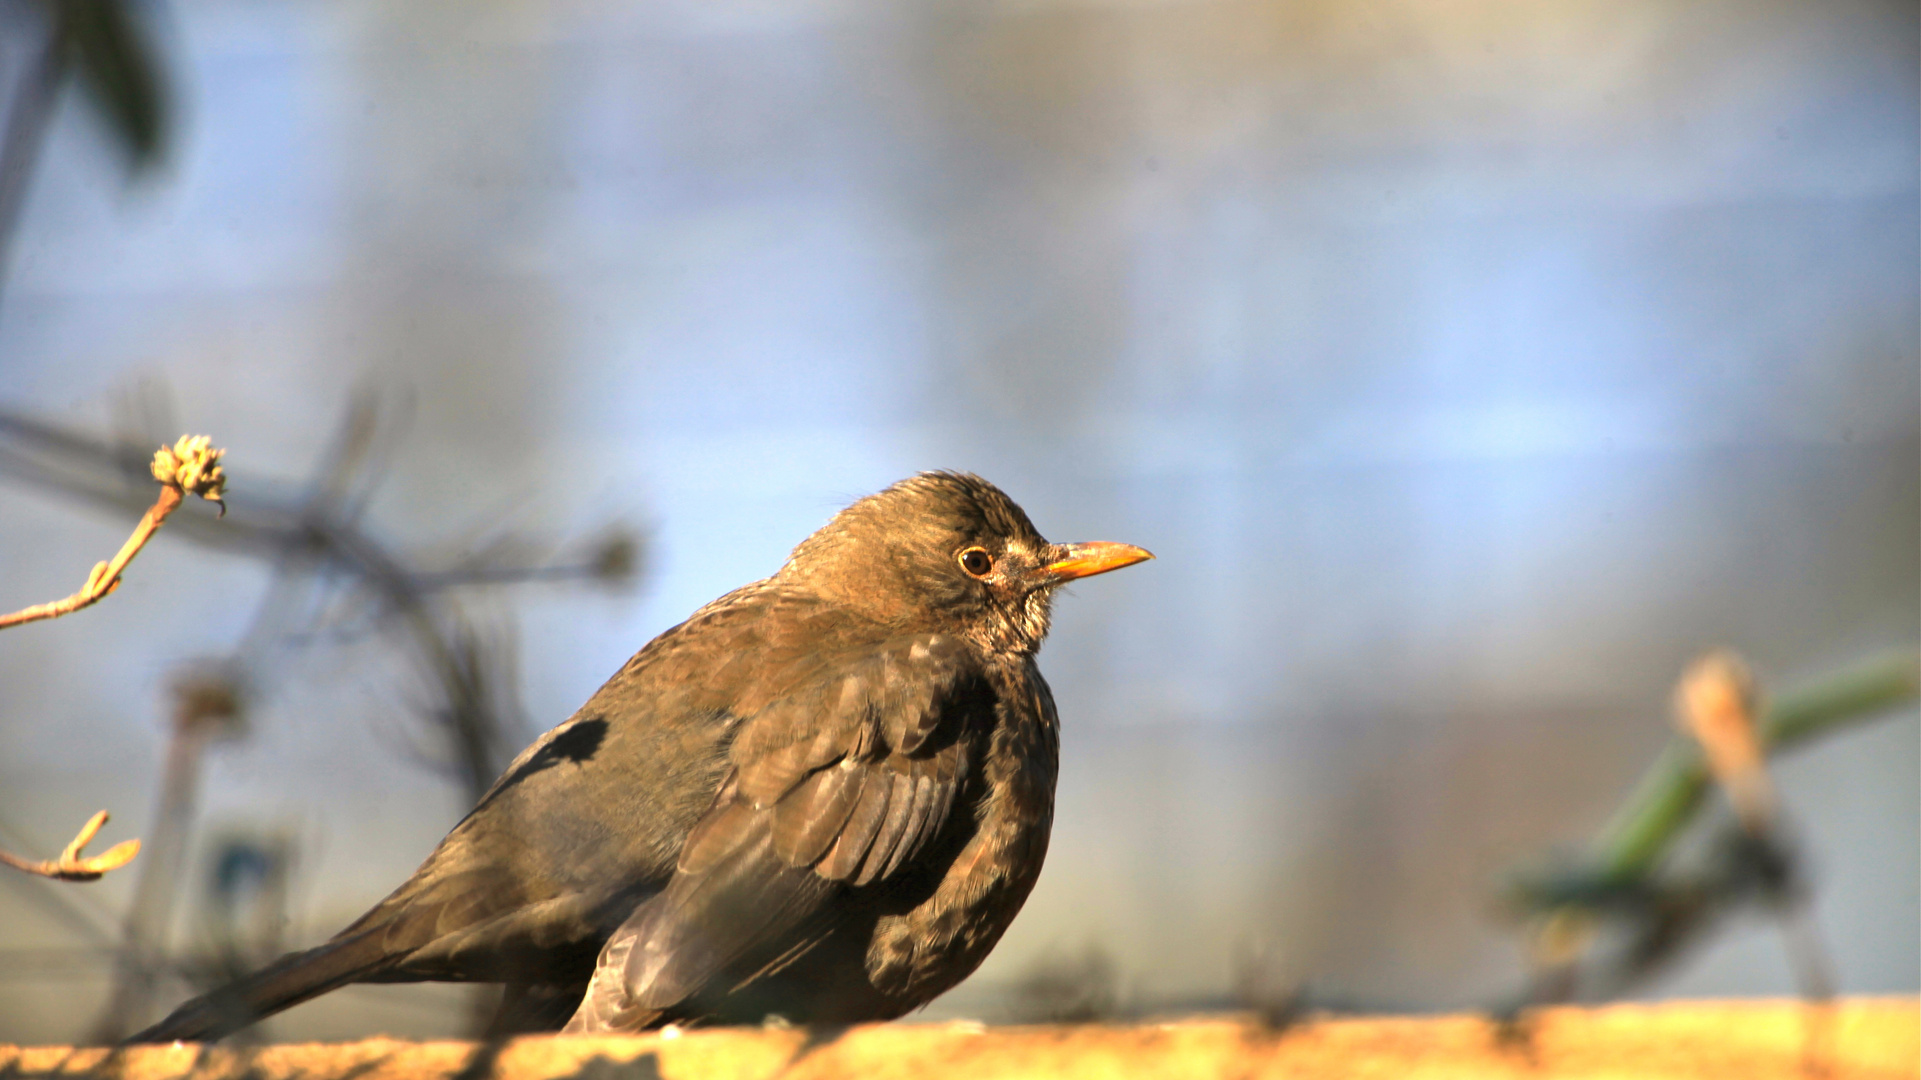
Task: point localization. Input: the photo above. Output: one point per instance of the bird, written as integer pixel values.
(821, 798)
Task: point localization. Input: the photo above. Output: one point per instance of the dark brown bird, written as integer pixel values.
(824, 796)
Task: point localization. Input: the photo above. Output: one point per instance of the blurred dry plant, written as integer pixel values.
(1066, 988)
(1625, 888)
(332, 582)
(1262, 986)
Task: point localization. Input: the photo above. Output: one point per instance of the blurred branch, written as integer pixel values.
(1670, 793)
(1662, 912)
(191, 466)
(614, 558)
(1671, 790)
(1067, 988)
(206, 707)
(1715, 705)
(312, 523)
(71, 866)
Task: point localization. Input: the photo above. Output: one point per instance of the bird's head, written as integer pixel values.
(949, 552)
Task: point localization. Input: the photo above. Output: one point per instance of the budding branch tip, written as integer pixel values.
(71, 865)
(191, 466)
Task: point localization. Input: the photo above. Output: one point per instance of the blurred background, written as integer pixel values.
(1469, 365)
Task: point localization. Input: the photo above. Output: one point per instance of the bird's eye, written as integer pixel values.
(976, 561)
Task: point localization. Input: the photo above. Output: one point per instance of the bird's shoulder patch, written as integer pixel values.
(574, 742)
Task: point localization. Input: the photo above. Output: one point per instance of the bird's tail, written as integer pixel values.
(286, 982)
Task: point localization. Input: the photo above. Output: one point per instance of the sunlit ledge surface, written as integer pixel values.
(1749, 1040)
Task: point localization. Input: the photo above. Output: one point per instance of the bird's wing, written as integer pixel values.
(583, 826)
(837, 785)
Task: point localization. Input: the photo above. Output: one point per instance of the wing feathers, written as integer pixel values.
(768, 777)
(857, 836)
(893, 828)
(703, 923)
(860, 748)
(808, 820)
(728, 827)
(836, 785)
(917, 820)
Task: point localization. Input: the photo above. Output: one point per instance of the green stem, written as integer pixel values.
(1674, 785)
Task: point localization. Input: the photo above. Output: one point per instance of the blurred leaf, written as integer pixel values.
(121, 71)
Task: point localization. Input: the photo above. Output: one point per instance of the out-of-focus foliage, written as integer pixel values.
(120, 68)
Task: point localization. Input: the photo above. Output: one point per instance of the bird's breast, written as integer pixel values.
(921, 953)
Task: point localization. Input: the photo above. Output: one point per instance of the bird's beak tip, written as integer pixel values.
(1096, 557)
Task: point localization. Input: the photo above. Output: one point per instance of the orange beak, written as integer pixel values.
(1096, 557)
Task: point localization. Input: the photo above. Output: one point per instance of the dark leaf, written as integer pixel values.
(120, 68)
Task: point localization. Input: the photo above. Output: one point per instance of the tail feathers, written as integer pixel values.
(286, 982)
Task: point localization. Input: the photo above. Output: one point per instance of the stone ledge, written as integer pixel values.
(1748, 1040)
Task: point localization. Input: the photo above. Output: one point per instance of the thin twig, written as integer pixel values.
(71, 865)
(191, 465)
